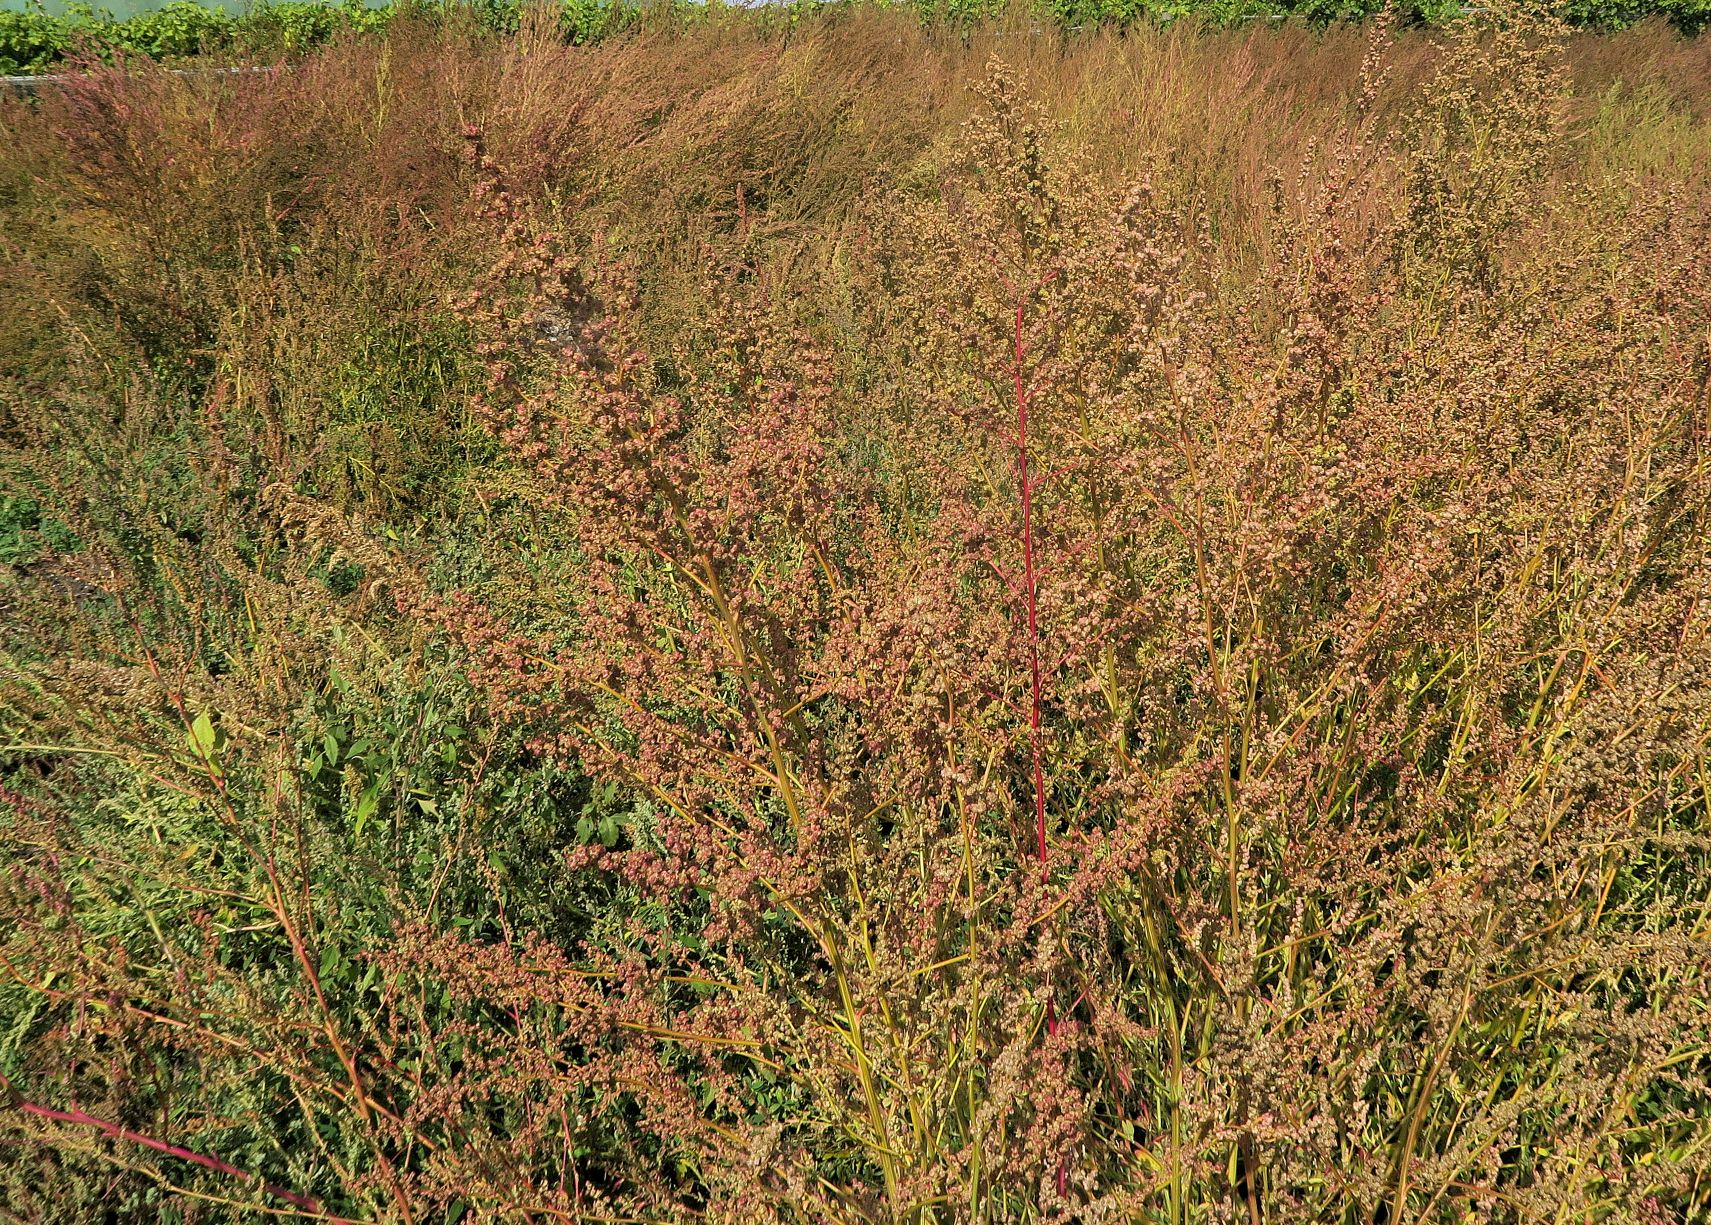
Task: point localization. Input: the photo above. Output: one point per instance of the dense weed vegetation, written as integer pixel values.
(860, 626)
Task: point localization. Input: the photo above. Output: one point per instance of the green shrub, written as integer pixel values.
(31, 41)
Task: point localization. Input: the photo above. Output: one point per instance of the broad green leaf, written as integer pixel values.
(202, 732)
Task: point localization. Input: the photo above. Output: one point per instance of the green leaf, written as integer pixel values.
(202, 732)
(365, 808)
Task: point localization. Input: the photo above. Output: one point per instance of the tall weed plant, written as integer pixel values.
(838, 625)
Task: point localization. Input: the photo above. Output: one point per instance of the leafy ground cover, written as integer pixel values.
(842, 621)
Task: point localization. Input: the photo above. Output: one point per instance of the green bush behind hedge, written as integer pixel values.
(35, 41)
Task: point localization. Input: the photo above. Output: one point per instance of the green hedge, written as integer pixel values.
(33, 41)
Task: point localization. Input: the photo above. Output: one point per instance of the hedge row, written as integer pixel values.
(34, 41)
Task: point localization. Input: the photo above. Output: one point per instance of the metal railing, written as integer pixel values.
(29, 84)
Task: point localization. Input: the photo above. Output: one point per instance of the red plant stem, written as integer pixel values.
(308, 1203)
(1030, 595)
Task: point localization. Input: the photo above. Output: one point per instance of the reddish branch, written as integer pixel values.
(1030, 592)
(307, 1203)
